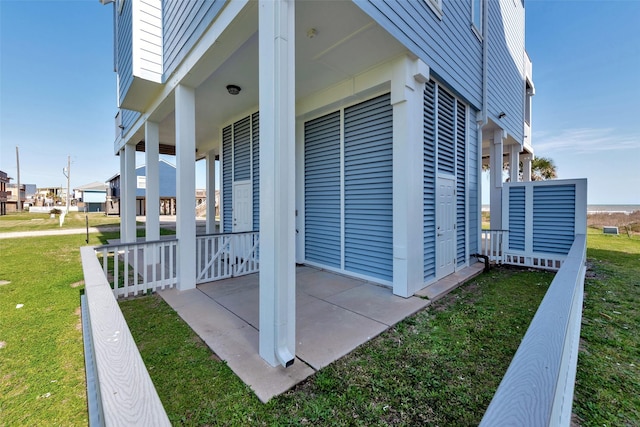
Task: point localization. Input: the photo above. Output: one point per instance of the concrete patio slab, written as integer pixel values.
(325, 332)
(375, 303)
(447, 284)
(334, 315)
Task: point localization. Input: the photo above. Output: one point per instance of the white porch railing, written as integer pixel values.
(494, 243)
(219, 256)
(537, 389)
(134, 268)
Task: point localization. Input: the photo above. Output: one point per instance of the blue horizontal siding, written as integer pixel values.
(183, 23)
(124, 48)
(448, 45)
(429, 181)
(322, 190)
(517, 218)
(368, 186)
(553, 218)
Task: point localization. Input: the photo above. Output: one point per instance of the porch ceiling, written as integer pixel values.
(334, 42)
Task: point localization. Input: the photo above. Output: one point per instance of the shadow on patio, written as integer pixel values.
(334, 315)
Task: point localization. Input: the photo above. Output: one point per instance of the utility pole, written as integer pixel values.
(19, 203)
(67, 172)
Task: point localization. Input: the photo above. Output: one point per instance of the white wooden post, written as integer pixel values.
(128, 181)
(186, 186)
(495, 191)
(526, 167)
(152, 191)
(514, 162)
(211, 192)
(407, 94)
(276, 23)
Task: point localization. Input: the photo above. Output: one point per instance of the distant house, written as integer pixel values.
(91, 197)
(4, 180)
(167, 185)
(27, 196)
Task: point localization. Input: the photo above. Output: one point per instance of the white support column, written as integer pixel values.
(514, 162)
(407, 92)
(526, 167)
(186, 186)
(152, 191)
(495, 192)
(211, 192)
(128, 182)
(276, 23)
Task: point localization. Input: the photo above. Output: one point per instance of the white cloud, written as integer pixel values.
(585, 140)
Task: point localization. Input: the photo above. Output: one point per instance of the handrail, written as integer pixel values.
(140, 243)
(128, 396)
(537, 389)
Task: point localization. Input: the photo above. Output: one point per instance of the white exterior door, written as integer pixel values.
(445, 227)
(242, 206)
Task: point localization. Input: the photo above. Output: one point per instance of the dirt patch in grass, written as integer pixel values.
(77, 284)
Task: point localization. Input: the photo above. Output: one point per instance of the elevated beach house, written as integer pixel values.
(350, 135)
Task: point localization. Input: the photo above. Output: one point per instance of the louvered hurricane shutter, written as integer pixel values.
(446, 132)
(461, 153)
(554, 218)
(255, 138)
(242, 149)
(429, 181)
(368, 184)
(227, 183)
(322, 190)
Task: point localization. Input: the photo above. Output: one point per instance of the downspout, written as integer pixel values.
(483, 119)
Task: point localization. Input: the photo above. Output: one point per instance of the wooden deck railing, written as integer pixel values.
(219, 256)
(537, 389)
(494, 243)
(141, 267)
(120, 391)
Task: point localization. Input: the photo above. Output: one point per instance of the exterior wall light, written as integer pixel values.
(502, 115)
(233, 89)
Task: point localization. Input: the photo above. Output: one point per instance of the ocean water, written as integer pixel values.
(599, 208)
(612, 208)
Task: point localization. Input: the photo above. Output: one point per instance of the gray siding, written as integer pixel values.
(368, 187)
(322, 190)
(429, 181)
(124, 48)
(506, 91)
(449, 46)
(183, 23)
(554, 218)
(129, 117)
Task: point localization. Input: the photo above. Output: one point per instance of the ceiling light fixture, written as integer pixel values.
(233, 89)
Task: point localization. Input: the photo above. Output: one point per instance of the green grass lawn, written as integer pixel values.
(608, 378)
(26, 221)
(42, 379)
(440, 366)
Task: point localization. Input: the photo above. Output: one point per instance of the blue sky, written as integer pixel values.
(57, 92)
